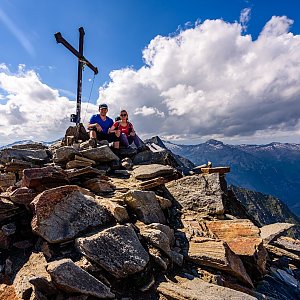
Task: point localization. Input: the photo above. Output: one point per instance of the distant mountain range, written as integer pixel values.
(272, 169)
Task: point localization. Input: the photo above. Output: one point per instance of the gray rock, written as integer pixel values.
(200, 193)
(271, 231)
(149, 157)
(116, 249)
(72, 279)
(64, 154)
(7, 155)
(152, 171)
(288, 244)
(145, 206)
(100, 154)
(64, 212)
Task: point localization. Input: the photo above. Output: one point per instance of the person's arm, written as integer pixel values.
(132, 131)
(94, 125)
(114, 129)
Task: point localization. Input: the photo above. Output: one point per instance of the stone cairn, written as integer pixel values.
(78, 222)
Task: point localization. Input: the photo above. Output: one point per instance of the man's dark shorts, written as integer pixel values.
(110, 137)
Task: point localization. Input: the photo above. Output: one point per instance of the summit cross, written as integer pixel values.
(81, 62)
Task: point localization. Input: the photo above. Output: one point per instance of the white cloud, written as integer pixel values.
(147, 111)
(213, 81)
(32, 109)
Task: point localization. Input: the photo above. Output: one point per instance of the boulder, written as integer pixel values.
(7, 180)
(64, 212)
(23, 196)
(217, 254)
(116, 249)
(272, 231)
(118, 211)
(64, 154)
(72, 279)
(35, 266)
(145, 205)
(100, 154)
(44, 178)
(152, 171)
(197, 289)
(243, 238)
(34, 156)
(200, 193)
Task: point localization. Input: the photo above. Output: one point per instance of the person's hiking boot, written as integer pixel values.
(93, 143)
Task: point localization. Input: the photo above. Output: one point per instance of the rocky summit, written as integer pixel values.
(82, 222)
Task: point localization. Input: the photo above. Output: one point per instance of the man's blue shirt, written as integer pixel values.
(104, 124)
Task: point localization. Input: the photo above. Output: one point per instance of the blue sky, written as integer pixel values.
(116, 34)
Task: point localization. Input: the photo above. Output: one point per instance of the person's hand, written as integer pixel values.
(117, 132)
(132, 133)
(98, 127)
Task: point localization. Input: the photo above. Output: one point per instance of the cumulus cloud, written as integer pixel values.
(214, 81)
(30, 109)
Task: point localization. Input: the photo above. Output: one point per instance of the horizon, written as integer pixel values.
(190, 71)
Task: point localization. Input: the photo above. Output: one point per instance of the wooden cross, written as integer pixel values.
(81, 62)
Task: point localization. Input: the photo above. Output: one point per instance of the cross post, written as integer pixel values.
(81, 62)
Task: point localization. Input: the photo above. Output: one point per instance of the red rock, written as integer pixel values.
(44, 178)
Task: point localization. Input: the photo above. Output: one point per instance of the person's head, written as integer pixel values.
(124, 115)
(103, 109)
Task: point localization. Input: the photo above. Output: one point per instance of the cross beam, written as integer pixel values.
(81, 61)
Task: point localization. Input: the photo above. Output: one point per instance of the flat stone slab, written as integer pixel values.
(6, 155)
(272, 231)
(152, 171)
(64, 212)
(116, 249)
(73, 279)
(217, 254)
(288, 244)
(200, 193)
(243, 238)
(198, 289)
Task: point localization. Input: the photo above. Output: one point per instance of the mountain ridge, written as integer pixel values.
(270, 169)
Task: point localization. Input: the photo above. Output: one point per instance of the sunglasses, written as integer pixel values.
(123, 115)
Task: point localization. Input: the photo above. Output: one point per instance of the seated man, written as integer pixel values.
(100, 125)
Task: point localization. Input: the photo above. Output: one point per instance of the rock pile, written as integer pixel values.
(83, 223)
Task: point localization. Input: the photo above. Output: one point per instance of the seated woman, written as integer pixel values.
(125, 130)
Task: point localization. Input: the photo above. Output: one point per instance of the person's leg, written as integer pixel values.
(135, 139)
(111, 137)
(124, 140)
(93, 134)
